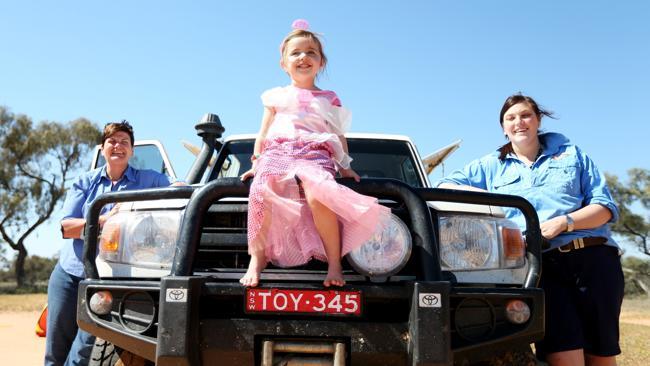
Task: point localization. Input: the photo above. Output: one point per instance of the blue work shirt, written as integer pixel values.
(84, 191)
(562, 180)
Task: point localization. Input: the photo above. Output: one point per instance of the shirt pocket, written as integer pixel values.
(563, 176)
(507, 184)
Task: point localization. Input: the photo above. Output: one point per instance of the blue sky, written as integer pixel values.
(436, 71)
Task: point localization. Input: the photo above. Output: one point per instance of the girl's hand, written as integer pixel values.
(251, 172)
(247, 174)
(553, 227)
(179, 183)
(350, 173)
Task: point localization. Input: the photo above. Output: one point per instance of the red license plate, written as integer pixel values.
(303, 301)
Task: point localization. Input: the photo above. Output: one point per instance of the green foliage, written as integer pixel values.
(35, 163)
(637, 276)
(630, 199)
(37, 270)
(10, 288)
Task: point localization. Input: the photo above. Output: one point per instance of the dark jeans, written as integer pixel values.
(65, 344)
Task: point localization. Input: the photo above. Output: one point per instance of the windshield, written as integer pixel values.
(375, 158)
(233, 159)
(372, 158)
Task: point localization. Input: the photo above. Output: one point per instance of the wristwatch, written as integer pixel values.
(570, 224)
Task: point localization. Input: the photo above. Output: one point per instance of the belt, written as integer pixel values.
(580, 243)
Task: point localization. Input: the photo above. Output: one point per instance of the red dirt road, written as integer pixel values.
(19, 344)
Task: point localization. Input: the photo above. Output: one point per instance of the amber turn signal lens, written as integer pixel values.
(110, 237)
(513, 243)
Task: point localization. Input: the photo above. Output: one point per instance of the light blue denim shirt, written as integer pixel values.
(562, 180)
(84, 191)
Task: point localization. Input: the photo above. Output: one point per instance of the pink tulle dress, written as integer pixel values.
(302, 147)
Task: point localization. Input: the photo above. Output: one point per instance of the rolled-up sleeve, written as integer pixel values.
(473, 174)
(595, 188)
(74, 199)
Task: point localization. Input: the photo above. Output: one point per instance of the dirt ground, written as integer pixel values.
(20, 346)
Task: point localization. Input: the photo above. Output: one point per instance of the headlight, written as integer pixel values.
(385, 253)
(146, 239)
(477, 243)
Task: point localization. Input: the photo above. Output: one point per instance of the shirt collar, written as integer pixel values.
(129, 174)
(551, 143)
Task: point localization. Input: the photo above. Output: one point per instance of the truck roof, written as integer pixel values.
(354, 135)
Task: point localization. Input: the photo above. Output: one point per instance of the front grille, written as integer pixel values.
(224, 246)
(223, 238)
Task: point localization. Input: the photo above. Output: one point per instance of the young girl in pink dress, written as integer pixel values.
(296, 209)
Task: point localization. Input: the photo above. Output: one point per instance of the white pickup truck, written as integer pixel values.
(451, 281)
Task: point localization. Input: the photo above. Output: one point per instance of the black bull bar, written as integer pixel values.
(424, 239)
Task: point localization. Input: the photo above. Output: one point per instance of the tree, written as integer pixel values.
(4, 262)
(37, 271)
(637, 276)
(631, 225)
(35, 164)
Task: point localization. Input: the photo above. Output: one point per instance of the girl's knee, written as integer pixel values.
(312, 202)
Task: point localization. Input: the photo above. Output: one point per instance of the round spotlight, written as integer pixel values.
(385, 253)
(517, 311)
(101, 302)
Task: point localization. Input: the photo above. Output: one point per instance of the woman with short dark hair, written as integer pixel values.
(66, 343)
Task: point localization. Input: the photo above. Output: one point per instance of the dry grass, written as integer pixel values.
(635, 332)
(26, 302)
(635, 343)
(636, 307)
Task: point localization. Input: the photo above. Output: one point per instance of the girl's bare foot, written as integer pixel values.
(334, 276)
(252, 276)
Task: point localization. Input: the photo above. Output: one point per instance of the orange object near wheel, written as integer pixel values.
(41, 324)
